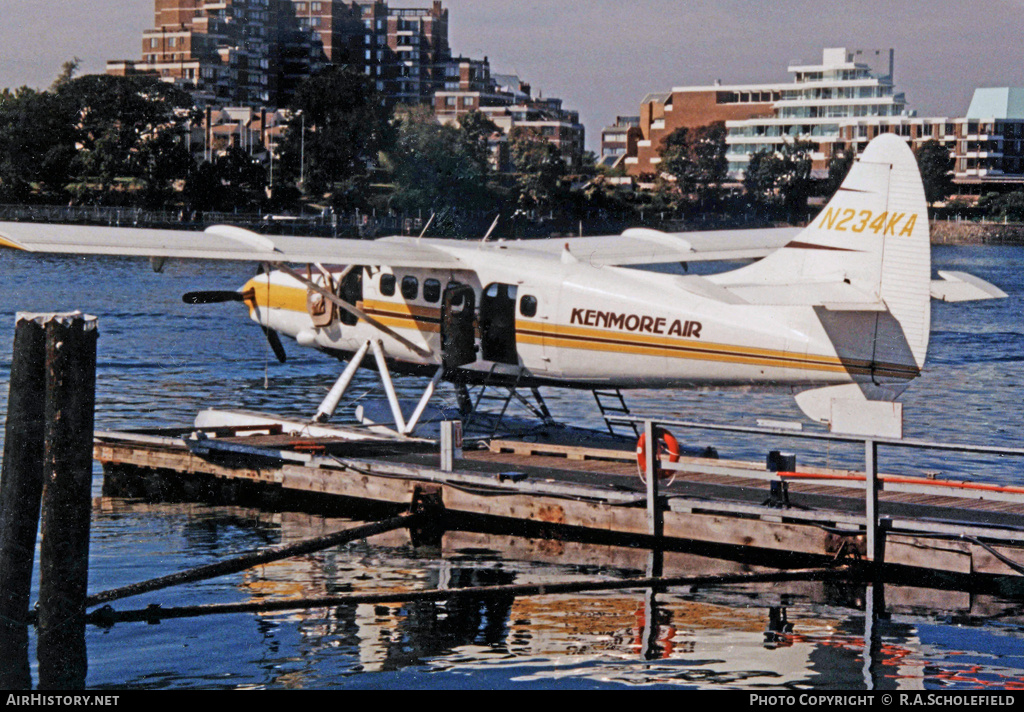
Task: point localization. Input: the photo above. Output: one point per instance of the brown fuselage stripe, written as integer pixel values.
(812, 246)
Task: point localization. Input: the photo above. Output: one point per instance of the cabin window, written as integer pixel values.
(431, 290)
(410, 287)
(387, 285)
(528, 305)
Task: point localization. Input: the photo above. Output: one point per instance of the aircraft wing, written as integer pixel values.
(638, 246)
(218, 243)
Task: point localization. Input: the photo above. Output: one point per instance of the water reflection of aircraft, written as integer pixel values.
(839, 311)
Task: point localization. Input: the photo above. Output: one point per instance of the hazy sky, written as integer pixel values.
(602, 56)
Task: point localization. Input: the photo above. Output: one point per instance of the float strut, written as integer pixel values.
(389, 387)
(427, 395)
(330, 403)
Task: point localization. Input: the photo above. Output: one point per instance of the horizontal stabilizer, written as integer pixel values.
(854, 409)
(963, 287)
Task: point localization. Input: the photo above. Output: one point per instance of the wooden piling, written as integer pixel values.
(67, 498)
(21, 486)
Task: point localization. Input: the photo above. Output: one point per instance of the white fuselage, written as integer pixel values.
(565, 322)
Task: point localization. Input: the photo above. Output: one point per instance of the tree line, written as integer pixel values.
(106, 140)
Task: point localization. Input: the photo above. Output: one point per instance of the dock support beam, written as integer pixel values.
(451, 444)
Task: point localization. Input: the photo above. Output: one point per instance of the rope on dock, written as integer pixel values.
(107, 616)
(246, 561)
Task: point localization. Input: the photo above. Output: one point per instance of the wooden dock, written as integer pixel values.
(591, 493)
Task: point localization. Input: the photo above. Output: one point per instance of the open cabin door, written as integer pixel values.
(349, 287)
(351, 290)
(498, 324)
(458, 332)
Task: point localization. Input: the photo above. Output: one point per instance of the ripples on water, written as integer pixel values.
(160, 361)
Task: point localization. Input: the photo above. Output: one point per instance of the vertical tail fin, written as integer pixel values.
(874, 236)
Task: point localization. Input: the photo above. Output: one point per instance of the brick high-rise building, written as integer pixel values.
(255, 52)
(242, 52)
(405, 50)
(509, 103)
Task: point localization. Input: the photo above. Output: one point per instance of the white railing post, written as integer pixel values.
(654, 515)
(871, 499)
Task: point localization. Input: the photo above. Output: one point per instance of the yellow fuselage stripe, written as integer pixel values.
(401, 315)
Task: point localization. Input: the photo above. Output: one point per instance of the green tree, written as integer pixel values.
(538, 170)
(338, 127)
(37, 145)
(1006, 207)
(779, 182)
(233, 180)
(438, 168)
(478, 130)
(838, 167)
(132, 129)
(67, 73)
(936, 167)
(696, 159)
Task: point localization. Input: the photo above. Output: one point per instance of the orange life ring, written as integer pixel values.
(667, 443)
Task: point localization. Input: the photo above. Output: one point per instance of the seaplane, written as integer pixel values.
(837, 312)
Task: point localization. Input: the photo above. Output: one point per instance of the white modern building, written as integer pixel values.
(846, 87)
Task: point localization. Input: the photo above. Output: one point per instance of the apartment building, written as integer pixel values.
(405, 51)
(468, 87)
(242, 52)
(989, 140)
(691, 107)
(256, 52)
(619, 139)
(509, 102)
(845, 87)
(254, 131)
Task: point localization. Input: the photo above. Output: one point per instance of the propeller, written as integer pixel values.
(223, 296)
(275, 344)
(213, 297)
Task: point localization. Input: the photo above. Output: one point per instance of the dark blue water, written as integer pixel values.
(161, 361)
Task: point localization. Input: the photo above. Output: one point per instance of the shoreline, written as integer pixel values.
(967, 233)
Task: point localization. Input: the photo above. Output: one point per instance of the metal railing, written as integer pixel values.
(872, 480)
